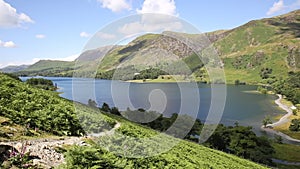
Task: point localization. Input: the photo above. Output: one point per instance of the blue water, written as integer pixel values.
(246, 108)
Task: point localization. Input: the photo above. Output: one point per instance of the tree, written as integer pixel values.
(92, 103)
(41, 83)
(295, 125)
(105, 107)
(278, 139)
(262, 90)
(115, 111)
(243, 142)
(265, 73)
(266, 121)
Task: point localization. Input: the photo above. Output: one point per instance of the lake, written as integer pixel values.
(243, 104)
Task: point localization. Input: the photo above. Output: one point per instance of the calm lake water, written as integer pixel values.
(243, 104)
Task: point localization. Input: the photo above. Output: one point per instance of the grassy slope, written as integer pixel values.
(182, 155)
(267, 43)
(287, 152)
(32, 108)
(49, 64)
(242, 44)
(49, 68)
(245, 50)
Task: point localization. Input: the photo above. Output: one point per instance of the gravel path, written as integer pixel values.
(44, 149)
(282, 120)
(285, 118)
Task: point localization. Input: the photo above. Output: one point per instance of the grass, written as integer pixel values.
(50, 64)
(13, 132)
(281, 166)
(284, 128)
(287, 152)
(184, 154)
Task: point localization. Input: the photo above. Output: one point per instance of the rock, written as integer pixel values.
(41, 163)
(19, 146)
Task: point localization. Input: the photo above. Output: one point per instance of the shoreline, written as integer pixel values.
(282, 120)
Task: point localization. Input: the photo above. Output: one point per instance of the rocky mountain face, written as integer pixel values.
(272, 43)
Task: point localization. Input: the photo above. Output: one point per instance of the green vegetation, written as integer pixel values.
(41, 83)
(267, 120)
(262, 89)
(295, 125)
(265, 73)
(151, 73)
(184, 155)
(237, 140)
(41, 110)
(49, 68)
(254, 53)
(289, 87)
(287, 152)
(46, 111)
(242, 142)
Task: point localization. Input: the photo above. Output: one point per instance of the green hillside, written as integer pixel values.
(35, 108)
(49, 68)
(12, 69)
(183, 155)
(268, 43)
(26, 108)
(257, 52)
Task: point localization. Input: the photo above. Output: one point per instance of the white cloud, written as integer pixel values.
(10, 18)
(115, 5)
(167, 7)
(280, 6)
(40, 36)
(84, 35)
(105, 35)
(152, 23)
(156, 16)
(9, 44)
(68, 58)
(277, 6)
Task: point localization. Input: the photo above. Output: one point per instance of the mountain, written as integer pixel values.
(256, 52)
(271, 43)
(49, 68)
(12, 69)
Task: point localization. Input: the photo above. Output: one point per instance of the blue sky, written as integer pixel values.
(59, 29)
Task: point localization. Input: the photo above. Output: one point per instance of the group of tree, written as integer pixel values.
(267, 120)
(295, 125)
(243, 142)
(289, 87)
(238, 140)
(42, 83)
(114, 110)
(265, 73)
(150, 73)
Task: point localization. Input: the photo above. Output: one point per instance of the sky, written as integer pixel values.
(32, 30)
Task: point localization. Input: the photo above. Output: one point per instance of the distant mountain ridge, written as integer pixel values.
(247, 51)
(12, 69)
